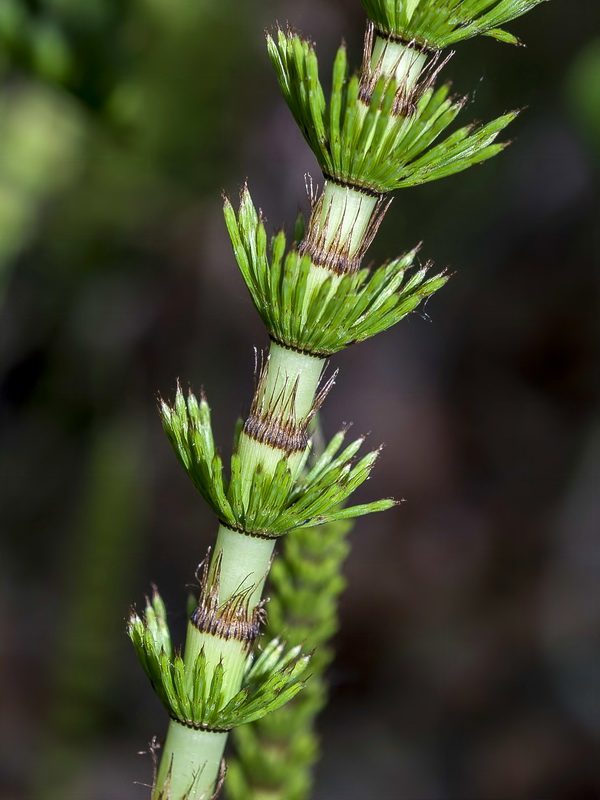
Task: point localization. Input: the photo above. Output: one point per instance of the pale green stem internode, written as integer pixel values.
(346, 214)
(190, 763)
(291, 380)
(244, 565)
(341, 221)
(285, 368)
(403, 64)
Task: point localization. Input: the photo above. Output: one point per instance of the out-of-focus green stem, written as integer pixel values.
(101, 561)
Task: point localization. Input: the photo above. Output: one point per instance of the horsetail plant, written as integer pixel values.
(384, 128)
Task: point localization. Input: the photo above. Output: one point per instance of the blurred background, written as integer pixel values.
(469, 654)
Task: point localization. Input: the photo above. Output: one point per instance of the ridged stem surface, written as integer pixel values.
(287, 369)
(340, 223)
(404, 64)
(245, 564)
(346, 213)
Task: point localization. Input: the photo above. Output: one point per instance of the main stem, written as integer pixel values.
(246, 559)
(191, 758)
(190, 764)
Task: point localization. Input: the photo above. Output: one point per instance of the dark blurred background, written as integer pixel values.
(469, 655)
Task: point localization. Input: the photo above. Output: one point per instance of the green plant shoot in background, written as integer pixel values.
(384, 128)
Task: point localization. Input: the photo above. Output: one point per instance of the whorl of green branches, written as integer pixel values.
(277, 502)
(197, 699)
(441, 23)
(374, 146)
(320, 319)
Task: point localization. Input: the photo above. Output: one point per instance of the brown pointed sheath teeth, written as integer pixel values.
(272, 419)
(232, 619)
(225, 623)
(407, 97)
(277, 433)
(329, 259)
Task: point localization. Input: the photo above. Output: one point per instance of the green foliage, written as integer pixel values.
(36, 39)
(197, 700)
(276, 503)
(279, 751)
(375, 146)
(440, 23)
(65, 43)
(100, 558)
(34, 167)
(321, 319)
